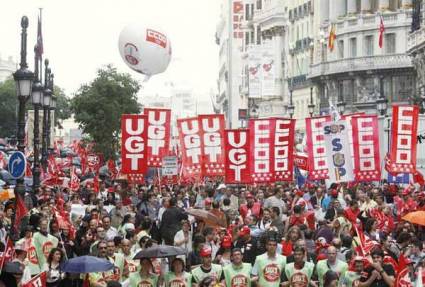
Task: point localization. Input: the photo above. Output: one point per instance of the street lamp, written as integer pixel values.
(341, 103)
(311, 105)
(52, 108)
(381, 102)
(37, 101)
(291, 107)
(253, 113)
(23, 79)
(47, 93)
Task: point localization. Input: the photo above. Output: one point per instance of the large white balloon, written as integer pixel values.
(144, 49)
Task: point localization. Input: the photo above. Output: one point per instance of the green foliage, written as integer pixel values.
(8, 108)
(98, 107)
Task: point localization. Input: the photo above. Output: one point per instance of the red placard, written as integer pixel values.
(348, 118)
(158, 135)
(366, 148)
(212, 144)
(262, 149)
(133, 144)
(284, 149)
(237, 156)
(316, 149)
(301, 161)
(402, 158)
(38, 281)
(190, 147)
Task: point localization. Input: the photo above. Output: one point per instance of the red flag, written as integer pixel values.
(8, 253)
(366, 244)
(28, 171)
(39, 47)
(112, 168)
(381, 33)
(75, 181)
(21, 211)
(38, 281)
(96, 184)
(418, 178)
(332, 37)
(402, 279)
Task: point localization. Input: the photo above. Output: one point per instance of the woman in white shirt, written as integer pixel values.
(183, 237)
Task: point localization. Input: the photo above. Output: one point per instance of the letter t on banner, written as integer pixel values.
(133, 144)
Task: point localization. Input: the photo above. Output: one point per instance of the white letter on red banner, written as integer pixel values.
(158, 135)
(261, 145)
(133, 145)
(284, 149)
(190, 146)
(212, 144)
(366, 148)
(237, 156)
(316, 150)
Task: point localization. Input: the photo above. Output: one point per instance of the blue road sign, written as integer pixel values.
(17, 164)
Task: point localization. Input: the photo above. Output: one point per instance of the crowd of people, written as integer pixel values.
(272, 235)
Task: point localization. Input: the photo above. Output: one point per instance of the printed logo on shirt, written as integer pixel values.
(299, 279)
(47, 246)
(239, 281)
(144, 284)
(271, 272)
(177, 283)
(32, 255)
(356, 283)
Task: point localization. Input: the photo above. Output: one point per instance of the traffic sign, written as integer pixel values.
(17, 164)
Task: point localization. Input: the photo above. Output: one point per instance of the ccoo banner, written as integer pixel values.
(316, 149)
(133, 144)
(262, 136)
(338, 151)
(284, 149)
(237, 161)
(158, 143)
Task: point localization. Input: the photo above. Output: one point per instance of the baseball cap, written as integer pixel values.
(205, 251)
(221, 186)
(227, 242)
(244, 231)
(249, 195)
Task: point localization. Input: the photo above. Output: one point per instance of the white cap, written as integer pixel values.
(221, 186)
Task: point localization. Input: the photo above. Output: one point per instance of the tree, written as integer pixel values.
(63, 106)
(98, 107)
(8, 106)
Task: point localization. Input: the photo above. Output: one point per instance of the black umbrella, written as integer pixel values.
(160, 251)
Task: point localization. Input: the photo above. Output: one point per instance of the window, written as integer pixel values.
(368, 46)
(389, 43)
(353, 47)
(247, 14)
(259, 4)
(341, 49)
(252, 37)
(246, 38)
(258, 35)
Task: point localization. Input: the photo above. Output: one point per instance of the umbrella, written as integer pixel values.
(206, 216)
(160, 251)
(416, 217)
(87, 264)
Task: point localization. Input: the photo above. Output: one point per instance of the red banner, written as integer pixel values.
(190, 146)
(402, 158)
(212, 144)
(348, 118)
(366, 148)
(262, 138)
(301, 161)
(37, 281)
(316, 150)
(158, 135)
(133, 144)
(283, 149)
(237, 156)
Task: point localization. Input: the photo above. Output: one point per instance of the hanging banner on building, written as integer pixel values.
(254, 71)
(190, 146)
(338, 151)
(268, 70)
(237, 153)
(261, 149)
(402, 157)
(366, 148)
(316, 149)
(237, 19)
(212, 144)
(133, 144)
(283, 149)
(348, 118)
(158, 135)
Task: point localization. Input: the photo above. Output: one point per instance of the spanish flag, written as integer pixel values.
(332, 37)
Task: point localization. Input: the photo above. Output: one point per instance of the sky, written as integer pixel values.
(80, 36)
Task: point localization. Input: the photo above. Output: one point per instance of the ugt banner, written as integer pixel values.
(212, 144)
(158, 135)
(262, 136)
(190, 146)
(133, 144)
(316, 149)
(237, 156)
(366, 148)
(402, 157)
(338, 151)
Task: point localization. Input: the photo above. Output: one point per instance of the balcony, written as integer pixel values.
(395, 61)
(271, 15)
(416, 40)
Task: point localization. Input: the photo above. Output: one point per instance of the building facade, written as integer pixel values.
(358, 69)
(7, 67)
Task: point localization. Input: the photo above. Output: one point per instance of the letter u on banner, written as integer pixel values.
(158, 135)
(237, 161)
(133, 144)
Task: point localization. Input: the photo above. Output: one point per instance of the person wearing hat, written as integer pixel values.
(378, 273)
(11, 275)
(224, 253)
(237, 273)
(351, 278)
(331, 263)
(20, 257)
(177, 276)
(299, 272)
(251, 207)
(269, 267)
(247, 244)
(207, 268)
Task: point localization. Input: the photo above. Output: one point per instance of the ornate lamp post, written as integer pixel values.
(291, 107)
(23, 79)
(47, 93)
(52, 108)
(37, 101)
(311, 105)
